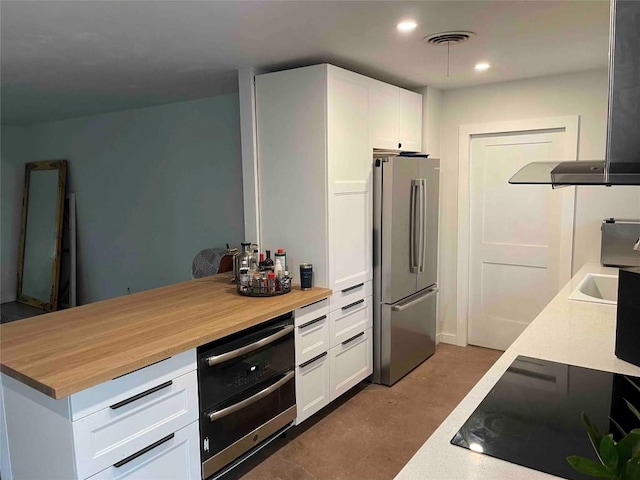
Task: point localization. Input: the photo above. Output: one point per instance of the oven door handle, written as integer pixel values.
(216, 359)
(218, 414)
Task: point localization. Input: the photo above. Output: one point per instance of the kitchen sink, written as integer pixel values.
(597, 288)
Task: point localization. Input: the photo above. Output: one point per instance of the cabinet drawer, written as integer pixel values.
(311, 312)
(176, 456)
(349, 320)
(116, 432)
(312, 339)
(101, 396)
(313, 386)
(349, 295)
(351, 362)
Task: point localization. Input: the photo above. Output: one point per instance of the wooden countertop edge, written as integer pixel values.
(58, 392)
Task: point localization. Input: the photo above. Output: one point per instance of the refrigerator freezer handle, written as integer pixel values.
(399, 308)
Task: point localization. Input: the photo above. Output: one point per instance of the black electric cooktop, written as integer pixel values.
(532, 416)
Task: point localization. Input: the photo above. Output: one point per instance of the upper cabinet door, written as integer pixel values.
(409, 121)
(383, 115)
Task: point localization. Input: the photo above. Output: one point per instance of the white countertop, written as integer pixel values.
(566, 331)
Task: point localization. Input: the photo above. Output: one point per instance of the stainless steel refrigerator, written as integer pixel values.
(405, 263)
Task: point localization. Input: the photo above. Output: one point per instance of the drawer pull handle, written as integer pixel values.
(308, 362)
(223, 357)
(319, 319)
(352, 338)
(140, 395)
(215, 415)
(143, 451)
(352, 288)
(311, 304)
(347, 307)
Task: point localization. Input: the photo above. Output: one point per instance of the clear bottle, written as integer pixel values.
(244, 273)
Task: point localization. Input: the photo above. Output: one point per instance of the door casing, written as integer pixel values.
(570, 125)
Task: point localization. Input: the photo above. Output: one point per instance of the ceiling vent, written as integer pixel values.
(448, 37)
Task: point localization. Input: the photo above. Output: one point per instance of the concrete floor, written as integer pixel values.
(372, 431)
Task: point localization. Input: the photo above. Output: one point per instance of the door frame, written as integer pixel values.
(570, 124)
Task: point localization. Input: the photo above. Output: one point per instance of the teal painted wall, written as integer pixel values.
(153, 186)
(14, 153)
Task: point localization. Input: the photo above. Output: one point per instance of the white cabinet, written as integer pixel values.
(409, 121)
(351, 362)
(313, 386)
(396, 117)
(315, 154)
(315, 171)
(176, 456)
(132, 418)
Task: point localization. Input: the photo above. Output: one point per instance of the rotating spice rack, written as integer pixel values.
(249, 289)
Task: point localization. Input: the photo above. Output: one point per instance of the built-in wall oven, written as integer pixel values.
(247, 391)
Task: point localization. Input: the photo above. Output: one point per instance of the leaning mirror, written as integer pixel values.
(41, 233)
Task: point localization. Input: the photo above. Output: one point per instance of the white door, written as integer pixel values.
(517, 235)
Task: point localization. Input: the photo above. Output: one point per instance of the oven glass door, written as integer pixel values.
(228, 369)
(229, 422)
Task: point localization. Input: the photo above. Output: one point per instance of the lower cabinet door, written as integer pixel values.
(176, 456)
(351, 362)
(313, 386)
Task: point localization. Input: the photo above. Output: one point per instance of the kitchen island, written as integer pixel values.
(566, 331)
(110, 390)
(64, 352)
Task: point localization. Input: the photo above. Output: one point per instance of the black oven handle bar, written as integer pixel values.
(218, 414)
(216, 359)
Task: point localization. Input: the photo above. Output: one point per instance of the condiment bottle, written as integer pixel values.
(268, 262)
(261, 264)
(279, 269)
(280, 254)
(271, 283)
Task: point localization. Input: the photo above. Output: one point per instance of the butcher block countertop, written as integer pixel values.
(64, 352)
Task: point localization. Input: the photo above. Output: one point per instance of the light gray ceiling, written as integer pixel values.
(62, 59)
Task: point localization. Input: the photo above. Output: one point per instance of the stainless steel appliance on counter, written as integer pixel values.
(405, 262)
(247, 393)
(619, 237)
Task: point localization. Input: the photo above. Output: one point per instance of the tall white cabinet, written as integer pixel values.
(316, 130)
(315, 157)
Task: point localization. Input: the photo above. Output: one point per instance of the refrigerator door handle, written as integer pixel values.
(430, 292)
(414, 246)
(423, 222)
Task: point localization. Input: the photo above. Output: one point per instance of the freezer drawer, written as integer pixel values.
(407, 335)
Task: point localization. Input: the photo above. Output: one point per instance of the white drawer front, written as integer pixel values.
(350, 319)
(312, 339)
(311, 312)
(175, 458)
(349, 295)
(351, 362)
(101, 396)
(313, 387)
(112, 434)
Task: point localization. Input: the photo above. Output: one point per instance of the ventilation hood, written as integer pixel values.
(622, 163)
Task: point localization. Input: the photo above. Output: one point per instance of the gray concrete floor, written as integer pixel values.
(372, 431)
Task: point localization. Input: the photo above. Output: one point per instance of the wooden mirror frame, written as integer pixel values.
(61, 166)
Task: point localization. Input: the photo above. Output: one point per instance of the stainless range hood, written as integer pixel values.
(622, 163)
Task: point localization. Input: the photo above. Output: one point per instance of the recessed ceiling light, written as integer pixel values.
(407, 26)
(480, 67)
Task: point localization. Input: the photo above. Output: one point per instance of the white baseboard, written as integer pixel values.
(449, 338)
